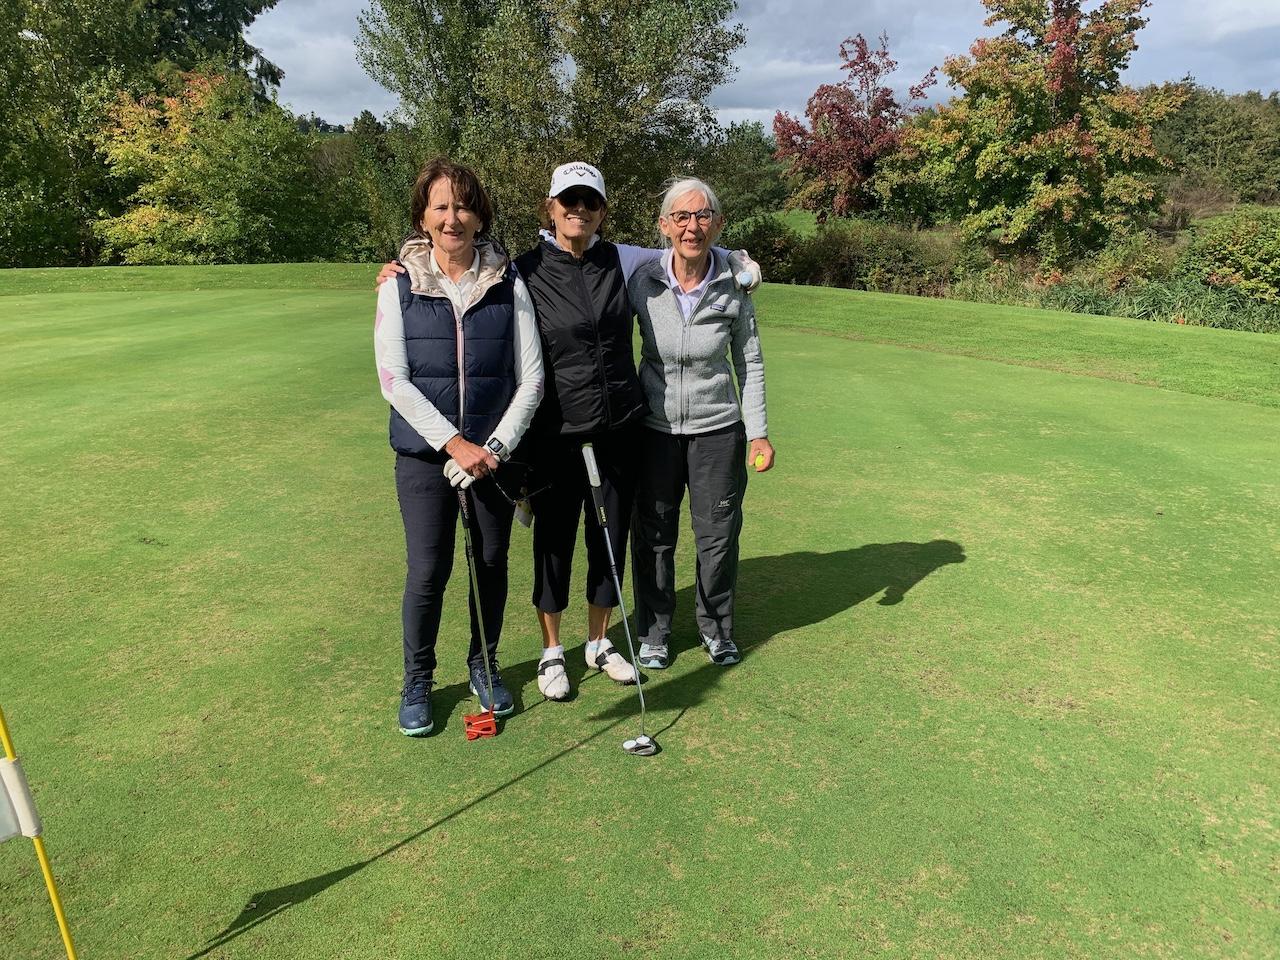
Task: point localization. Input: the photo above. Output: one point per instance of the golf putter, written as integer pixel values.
(643, 745)
(485, 723)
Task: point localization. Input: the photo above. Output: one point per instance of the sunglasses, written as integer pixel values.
(519, 479)
(581, 196)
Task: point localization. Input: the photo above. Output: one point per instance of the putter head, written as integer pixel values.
(641, 746)
(480, 725)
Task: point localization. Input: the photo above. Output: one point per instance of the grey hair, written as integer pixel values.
(678, 188)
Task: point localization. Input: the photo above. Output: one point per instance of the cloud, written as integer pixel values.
(793, 46)
(313, 41)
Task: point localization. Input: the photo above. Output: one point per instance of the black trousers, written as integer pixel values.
(713, 467)
(558, 510)
(429, 508)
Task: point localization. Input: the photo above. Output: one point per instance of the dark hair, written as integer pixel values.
(466, 188)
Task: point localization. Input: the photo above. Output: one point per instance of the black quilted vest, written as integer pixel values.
(585, 321)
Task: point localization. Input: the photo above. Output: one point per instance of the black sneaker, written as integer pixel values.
(502, 702)
(722, 652)
(415, 709)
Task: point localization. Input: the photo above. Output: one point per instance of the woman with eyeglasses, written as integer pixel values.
(460, 362)
(578, 283)
(698, 334)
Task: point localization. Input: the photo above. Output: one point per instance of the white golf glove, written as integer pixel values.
(457, 476)
(743, 266)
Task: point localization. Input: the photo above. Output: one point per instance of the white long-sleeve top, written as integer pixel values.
(392, 358)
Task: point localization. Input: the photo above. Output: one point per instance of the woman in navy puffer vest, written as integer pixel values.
(459, 360)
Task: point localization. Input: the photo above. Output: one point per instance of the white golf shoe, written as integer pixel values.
(552, 679)
(602, 656)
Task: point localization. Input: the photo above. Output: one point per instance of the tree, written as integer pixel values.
(62, 64)
(1228, 139)
(739, 164)
(515, 87)
(1045, 150)
(217, 176)
(385, 163)
(852, 125)
(185, 34)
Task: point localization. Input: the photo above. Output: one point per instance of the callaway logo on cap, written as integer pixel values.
(576, 175)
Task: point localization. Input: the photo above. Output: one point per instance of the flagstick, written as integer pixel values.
(42, 856)
(5, 739)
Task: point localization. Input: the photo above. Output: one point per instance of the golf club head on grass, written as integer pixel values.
(641, 746)
(479, 725)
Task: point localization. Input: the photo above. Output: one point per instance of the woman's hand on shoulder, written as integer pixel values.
(388, 271)
(760, 455)
(746, 272)
(474, 459)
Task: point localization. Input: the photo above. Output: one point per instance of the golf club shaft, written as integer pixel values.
(475, 589)
(597, 494)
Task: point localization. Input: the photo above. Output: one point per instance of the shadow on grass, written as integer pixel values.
(775, 595)
(778, 594)
(265, 904)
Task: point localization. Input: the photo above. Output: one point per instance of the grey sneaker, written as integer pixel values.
(722, 652)
(655, 656)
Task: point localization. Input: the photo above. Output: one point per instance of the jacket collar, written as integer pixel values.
(551, 246)
(657, 270)
(415, 255)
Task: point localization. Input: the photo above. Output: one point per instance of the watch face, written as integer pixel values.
(495, 445)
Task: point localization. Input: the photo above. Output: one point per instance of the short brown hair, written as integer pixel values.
(467, 188)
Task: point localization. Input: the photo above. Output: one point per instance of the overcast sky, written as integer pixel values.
(792, 46)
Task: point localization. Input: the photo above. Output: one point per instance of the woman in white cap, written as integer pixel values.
(578, 283)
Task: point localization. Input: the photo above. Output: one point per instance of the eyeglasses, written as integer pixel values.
(524, 493)
(681, 217)
(581, 196)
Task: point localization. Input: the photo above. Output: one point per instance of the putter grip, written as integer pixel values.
(593, 472)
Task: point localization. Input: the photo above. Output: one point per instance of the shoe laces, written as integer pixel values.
(493, 668)
(417, 691)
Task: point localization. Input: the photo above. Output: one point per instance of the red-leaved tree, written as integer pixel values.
(852, 124)
(1046, 150)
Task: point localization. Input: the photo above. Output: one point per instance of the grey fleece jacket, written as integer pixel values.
(684, 365)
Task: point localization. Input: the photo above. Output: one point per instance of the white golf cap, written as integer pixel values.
(576, 174)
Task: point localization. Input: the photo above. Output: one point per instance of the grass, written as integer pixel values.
(802, 222)
(1009, 616)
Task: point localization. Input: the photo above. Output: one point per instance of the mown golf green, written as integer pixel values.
(1009, 605)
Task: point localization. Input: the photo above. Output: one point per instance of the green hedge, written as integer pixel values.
(1238, 251)
(1137, 275)
(855, 254)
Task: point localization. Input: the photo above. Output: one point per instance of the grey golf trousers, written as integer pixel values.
(713, 467)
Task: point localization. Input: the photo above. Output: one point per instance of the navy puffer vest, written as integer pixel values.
(488, 363)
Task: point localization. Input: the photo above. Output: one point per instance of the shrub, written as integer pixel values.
(1182, 300)
(1076, 296)
(1129, 259)
(770, 242)
(873, 255)
(1239, 251)
(1001, 281)
(1185, 300)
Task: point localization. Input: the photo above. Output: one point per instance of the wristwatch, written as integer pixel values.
(498, 449)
